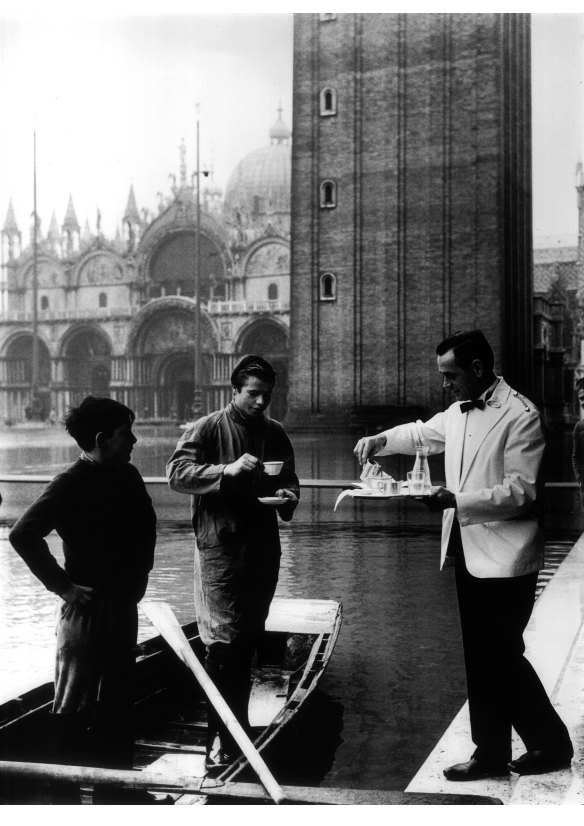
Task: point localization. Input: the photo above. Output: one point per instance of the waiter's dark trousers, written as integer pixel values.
(503, 689)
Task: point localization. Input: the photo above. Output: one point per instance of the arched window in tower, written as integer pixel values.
(328, 101)
(272, 292)
(328, 287)
(44, 302)
(103, 299)
(328, 194)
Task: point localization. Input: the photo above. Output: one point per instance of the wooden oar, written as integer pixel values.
(156, 781)
(161, 616)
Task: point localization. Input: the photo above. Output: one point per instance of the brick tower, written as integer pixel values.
(411, 206)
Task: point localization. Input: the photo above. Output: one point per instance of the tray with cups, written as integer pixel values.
(376, 484)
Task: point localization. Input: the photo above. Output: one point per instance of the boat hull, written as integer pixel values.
(170, 708)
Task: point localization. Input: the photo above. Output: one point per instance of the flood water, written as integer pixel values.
(396, 678)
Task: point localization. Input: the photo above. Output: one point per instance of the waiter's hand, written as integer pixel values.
(440, 499)
(245, 464)
(367, 446)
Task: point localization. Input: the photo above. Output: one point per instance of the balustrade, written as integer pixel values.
(102, 313)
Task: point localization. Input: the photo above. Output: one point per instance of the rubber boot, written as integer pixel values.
(112, 747)
(68, 745)
(217, 756)
(233, 683)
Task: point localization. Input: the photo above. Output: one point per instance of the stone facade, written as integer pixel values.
(411, 205)
(118, 317)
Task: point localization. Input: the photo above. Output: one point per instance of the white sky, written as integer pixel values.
(111, 100)
(111, 94)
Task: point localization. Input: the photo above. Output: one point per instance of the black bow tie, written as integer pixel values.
(466, 406)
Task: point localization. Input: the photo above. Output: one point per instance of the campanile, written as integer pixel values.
(411, 205)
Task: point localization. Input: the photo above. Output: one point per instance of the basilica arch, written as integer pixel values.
(167, 256)
(16, 375)
(268, 338)
(172, 267)
(86, 362)
(161, 349)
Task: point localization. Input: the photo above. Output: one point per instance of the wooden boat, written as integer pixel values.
(170, 707)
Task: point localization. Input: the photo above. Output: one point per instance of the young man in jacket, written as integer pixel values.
(219, 462)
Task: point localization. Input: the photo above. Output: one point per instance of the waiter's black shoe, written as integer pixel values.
(476, 769)
(540, 761)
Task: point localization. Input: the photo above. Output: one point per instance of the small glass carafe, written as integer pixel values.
(421, 465)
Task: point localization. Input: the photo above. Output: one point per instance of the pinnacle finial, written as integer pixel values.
(183, 163)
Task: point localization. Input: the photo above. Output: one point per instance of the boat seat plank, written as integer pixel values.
(170, 746)
(302, 616)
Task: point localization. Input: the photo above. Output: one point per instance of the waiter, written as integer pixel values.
(493, 443)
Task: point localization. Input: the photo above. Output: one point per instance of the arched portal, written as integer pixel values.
(176, 384)
(18, 359)
(24, 400)
(87, 364)
(162, 345)
(269, 339)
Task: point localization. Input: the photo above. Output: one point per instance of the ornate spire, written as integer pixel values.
(71, 229)
(183, 163)
(579, 175)
(11, 232)
(10, 225)
(131, 213)
(53, 233)
(71, 224)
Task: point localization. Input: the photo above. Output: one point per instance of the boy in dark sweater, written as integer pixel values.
(101, 510)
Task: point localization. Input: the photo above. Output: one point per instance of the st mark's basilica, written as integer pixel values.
(117, 317)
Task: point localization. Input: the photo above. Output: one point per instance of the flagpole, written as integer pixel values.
(198, 391)
(35, 287)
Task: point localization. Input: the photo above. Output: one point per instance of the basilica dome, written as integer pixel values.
(260, 183)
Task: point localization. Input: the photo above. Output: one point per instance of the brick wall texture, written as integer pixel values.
(430, 151)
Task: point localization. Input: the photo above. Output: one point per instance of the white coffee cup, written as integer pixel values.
(273, 468)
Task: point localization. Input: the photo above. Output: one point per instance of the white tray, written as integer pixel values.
(360, 493)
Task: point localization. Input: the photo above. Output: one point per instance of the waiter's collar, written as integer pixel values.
(489, 391)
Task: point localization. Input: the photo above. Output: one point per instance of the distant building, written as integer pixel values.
(116, 317)
(559, 322)
(411, 204)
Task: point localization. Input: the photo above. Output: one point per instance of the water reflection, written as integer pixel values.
(396, 679)
(392, 643)
(49, 450)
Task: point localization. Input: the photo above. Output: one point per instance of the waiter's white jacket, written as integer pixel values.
(495, 481)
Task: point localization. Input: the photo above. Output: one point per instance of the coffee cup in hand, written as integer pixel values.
(273, 468)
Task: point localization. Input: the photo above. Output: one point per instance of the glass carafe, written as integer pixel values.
(421, 465)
